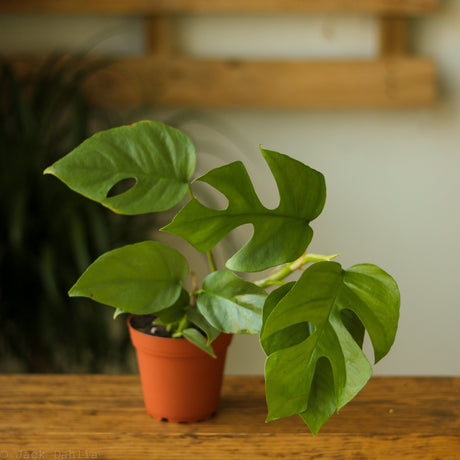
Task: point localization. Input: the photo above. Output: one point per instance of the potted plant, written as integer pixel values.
(311, 329)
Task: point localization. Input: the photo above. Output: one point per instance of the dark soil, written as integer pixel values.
(143, 323)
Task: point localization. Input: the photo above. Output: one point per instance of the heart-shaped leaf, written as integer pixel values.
(160, 161)
(140, 278)
(231, 304)
(280, 235)
(322, 297)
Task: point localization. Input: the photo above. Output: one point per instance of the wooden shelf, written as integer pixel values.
(144, 7)
(147, 7)
(293, 84)
(182, 82)
(166, 79)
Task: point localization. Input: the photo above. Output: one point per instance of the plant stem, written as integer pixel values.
(284, 271)
(190, 193)
(193, 296)
(211, 261)
(184, 324)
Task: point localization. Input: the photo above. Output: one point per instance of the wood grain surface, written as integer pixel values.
(400, 7)
(103, 417)
(168, 81)
(185, 82)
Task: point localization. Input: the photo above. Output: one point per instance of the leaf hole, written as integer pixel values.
(121, 187)
(354, 325)
(209, 196)
(237, 238)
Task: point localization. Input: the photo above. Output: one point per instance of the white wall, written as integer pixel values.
(392, 176)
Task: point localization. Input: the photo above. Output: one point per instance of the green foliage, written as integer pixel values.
(318, 298)
(280, 235)
(231, 304)
(160, 159)
(195, 336)
(141, 278)
(311, 329)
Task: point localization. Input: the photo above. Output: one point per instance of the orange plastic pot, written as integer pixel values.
(180, 382)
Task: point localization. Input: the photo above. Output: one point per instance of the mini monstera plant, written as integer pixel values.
(311, 329)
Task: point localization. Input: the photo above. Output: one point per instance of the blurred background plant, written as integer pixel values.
(48, 234)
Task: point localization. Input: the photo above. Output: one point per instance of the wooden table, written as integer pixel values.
(100, 416)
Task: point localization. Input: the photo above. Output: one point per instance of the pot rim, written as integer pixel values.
(173, 347)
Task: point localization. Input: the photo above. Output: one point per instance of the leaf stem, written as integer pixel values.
(190, 192)
(211, 260)
(184, 323)
(284, 271)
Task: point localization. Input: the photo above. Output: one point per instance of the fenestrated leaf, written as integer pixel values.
(319, 297)
(160, 159)
(354, 325)
(280, 235)
(374, 296)
(285, 338)
(273, 300)
(231, 304)
(140, 278)
(321, 403)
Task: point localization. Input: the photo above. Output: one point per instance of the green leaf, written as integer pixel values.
(273, 299)
(280, 235)
(160, 160)
(374, 296)
(140, 278)
(285, 338)
(175, 312)
(320, 297)
(231, 304)
(197, 318)
(321, 403)
(194, 336)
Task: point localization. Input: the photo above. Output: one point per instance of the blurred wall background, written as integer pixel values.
(392, 175)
